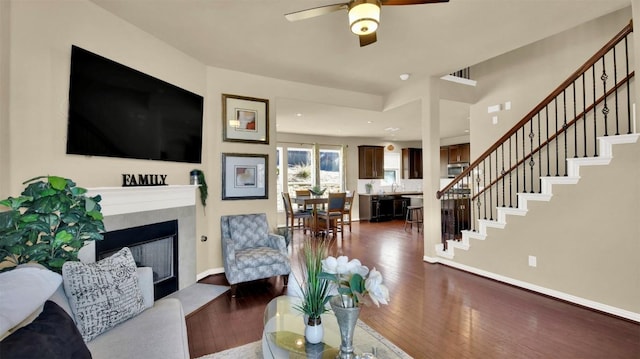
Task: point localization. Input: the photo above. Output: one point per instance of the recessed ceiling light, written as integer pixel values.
(466, 131)
(299, 114)
(392, 129)
(369, 121)
(404, 77)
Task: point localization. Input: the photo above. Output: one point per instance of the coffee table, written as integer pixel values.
(283, 335)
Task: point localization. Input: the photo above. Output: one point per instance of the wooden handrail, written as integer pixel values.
(572, 78)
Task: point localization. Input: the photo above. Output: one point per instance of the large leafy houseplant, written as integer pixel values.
(48, 223)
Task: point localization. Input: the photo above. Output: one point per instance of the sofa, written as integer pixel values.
(158, 330)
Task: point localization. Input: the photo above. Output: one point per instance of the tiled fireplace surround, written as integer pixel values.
(126, 207)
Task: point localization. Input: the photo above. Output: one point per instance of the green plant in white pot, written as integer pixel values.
(48, 223)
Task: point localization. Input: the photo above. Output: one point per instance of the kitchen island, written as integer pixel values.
(378, 207)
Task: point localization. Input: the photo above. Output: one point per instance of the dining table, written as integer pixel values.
(312, 202)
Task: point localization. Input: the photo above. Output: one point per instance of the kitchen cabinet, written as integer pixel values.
(376, 208)
(459, 153)
(383, 207)
(370, 162)
(444, 161)
(411, 163)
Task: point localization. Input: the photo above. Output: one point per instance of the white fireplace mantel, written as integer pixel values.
(123, 200)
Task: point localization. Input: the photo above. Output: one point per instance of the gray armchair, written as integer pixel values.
(250, 252)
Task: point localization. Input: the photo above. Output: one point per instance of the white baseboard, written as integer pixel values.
(209, 272)
(536, 288)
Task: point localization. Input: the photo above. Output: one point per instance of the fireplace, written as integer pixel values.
(132, 207)
(152, 245)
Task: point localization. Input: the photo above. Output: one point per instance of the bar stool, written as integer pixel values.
(414, 215)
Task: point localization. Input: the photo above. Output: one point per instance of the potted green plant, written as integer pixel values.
(314, 290)
(317, 190)
(48, 223)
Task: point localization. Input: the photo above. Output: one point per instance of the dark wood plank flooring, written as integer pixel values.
(435, 311)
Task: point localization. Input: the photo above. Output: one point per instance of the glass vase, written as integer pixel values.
(347, 319)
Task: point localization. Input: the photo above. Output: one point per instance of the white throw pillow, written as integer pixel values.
(103, 294)
(22, 291)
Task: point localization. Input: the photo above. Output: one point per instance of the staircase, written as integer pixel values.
(545, 194)
(577, 125)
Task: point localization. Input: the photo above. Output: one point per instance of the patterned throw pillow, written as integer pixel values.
(103, 294)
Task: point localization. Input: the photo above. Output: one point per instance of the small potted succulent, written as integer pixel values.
(317, 191)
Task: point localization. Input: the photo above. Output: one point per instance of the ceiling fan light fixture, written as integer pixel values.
(364, 16)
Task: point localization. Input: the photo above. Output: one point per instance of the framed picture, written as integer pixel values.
(245, 119)
(244, 176)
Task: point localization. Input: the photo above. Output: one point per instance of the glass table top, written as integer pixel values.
(283, 335)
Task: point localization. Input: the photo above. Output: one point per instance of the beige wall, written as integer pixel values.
(527, 75)
(41, 34)
(5, 8)
(586, 238)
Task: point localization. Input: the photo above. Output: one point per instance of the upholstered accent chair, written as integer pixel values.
(250, 252)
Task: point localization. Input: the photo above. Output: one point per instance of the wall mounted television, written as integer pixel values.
(116, 111)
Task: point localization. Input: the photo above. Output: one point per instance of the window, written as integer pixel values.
(307, 165)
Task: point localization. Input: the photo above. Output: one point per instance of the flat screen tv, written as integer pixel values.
(116, 111)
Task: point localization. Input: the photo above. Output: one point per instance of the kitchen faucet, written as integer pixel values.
(394, 187)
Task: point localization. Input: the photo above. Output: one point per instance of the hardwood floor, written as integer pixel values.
(435, 311)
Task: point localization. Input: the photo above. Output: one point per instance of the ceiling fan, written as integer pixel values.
(364, 15)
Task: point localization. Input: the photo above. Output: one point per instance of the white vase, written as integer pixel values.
(313, 331)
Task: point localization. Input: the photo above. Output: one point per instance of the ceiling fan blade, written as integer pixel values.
(317, 11)
(411, 2)
(368, 39)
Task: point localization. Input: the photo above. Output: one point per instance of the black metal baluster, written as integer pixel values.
(504, 202)
(517, 176)
(510, 174)
(615, 83)
(564, 129)
(605, 109)
(595, 116)
(490, 189)
(626, 51)
(484, 186)
(497, 181)
(532, 163)
(555, 101)
(575, 125)
(546, 111)
(584, 114)
(524, 165)
(539, 155)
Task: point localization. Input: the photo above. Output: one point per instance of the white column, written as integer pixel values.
(431, 166)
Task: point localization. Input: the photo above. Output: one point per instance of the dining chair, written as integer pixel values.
(348, 205)
(332, 215)
(291, 215)
(303, 193)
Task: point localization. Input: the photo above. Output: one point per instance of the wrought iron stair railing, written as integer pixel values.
(594, 101)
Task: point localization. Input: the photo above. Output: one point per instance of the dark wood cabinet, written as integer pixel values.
(444, 161)
(459, 153)
(370, 162)
(411, 163)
